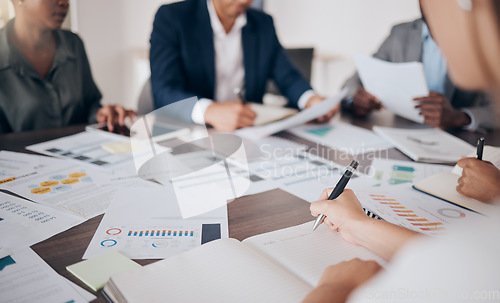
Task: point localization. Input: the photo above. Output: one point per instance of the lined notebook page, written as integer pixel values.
(224, 270)
(307, 253)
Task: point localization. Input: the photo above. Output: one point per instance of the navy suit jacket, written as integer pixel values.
(183, 60)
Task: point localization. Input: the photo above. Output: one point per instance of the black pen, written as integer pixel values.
(339, 188)
(479, 149)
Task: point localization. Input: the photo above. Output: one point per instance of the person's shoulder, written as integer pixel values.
(177, 8)
(259, 17)
(71, 42)
(407, 26)
(70, 36)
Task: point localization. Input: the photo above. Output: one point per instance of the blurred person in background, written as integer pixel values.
(45, 77)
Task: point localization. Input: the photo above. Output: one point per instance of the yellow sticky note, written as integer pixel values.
(96, 272)
(117, 147)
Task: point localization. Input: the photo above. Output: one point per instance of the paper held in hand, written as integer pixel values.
(394, 84)
(302, 117)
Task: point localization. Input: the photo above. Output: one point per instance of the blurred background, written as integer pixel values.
(116, 35)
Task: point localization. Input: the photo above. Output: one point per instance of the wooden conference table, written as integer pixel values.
(248, 216)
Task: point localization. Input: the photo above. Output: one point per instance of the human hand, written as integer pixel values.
(480, 180)
(364, 103)
(344, 214)
(438, 112)
(229, 116)
(316, 100)
(114, 114)
(338, 281)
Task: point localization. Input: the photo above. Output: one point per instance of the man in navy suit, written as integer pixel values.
(210, 49)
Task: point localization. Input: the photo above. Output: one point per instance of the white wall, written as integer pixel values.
(116, 34)
(337, 29)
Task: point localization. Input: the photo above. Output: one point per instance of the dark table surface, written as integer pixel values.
(248, 216)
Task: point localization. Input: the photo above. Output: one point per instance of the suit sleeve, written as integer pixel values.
(167, 79)
(383, 53)
(288, 79)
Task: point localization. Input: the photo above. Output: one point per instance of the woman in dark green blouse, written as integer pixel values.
(45, 77)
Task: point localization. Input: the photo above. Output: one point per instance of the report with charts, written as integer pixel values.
(147, 224)
(24, 223)
(25, 277)
(69, 187)
(388, 172)
(342, 136)
(280, 266)
(414, 210)
(110, 154)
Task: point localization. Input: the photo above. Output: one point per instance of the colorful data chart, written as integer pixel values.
(59, 183)
(321, 131)
(416, 211)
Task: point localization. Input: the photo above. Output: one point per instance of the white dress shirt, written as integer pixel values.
(229, 68)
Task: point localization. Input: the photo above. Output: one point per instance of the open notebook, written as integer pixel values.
(443, 185)
(280, 266)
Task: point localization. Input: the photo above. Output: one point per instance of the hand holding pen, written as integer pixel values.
(339, 188)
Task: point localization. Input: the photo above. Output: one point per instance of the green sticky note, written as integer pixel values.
(97, 271)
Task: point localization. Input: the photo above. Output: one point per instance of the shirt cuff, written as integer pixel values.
(199, 109)
(304, 98)
(474, 124)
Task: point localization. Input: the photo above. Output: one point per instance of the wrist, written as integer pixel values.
(359, 228)
(462, 119)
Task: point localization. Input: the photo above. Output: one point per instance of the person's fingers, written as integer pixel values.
(325, 194)
(121, 114)
(328, 222)
(131, 115)
(319, 207)
(248, 112)
(432, 122)
(431, 114)
(244, 122)
(375, 104)
(466, 162)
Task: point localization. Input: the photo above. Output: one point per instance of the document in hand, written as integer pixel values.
(394, 84)
(306, 115)
(426, 145)
(267, 114)
(281, 266)
(443, 185)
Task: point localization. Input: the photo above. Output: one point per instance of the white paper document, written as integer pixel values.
(302, 175)
(25, 277)
(414, 210)
(302, 117)
(111, 154)
(388, 172)
(147, 224)
(70, 188)
(24, 223)
(394, 84)
(13, 165)
(426, 145)
(342, 136)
